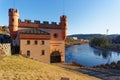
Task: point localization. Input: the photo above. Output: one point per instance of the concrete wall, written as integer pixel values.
(36, 50)
(6, 48)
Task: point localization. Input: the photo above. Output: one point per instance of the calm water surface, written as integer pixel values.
(88, 56)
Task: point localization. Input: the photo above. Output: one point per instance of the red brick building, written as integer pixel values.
(41, 41)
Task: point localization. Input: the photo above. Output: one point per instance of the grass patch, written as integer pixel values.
(20, 68)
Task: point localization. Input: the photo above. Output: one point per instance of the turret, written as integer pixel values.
(13, 22)
(64, 25)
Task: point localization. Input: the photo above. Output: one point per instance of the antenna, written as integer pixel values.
(14, 4)
(107, 31)
(63, 6)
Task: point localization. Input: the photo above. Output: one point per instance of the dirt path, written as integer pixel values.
(104, 74)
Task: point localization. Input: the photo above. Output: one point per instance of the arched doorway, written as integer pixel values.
(55, 57)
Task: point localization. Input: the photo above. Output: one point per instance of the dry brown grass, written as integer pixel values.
(20, 68)
(2, 54)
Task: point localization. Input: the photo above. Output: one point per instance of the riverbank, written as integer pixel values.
(104, 74)
(69, 43)
(72, 42)
(106, 49)
(113, 65)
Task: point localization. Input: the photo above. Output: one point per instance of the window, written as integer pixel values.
(28, 42)
(12, 20)
(36, 42)
(43, 42)
(28, 53)
(55, 35)
(43, 52)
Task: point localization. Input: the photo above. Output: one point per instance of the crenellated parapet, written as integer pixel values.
(62, 26)
(13, 12)
(37, 22)
(17, 25)
(45, 24)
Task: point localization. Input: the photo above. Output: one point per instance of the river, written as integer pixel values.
(88, 56)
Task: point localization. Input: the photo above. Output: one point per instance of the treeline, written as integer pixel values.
(106, 43)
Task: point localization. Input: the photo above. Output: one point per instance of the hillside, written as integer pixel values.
(20, 68)
(4, 30)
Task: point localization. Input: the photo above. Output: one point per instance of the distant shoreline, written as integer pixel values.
(66, 46)
(106, 49)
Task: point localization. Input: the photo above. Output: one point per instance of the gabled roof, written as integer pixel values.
(34, 31)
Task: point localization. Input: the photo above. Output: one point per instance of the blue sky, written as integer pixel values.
(85, 16)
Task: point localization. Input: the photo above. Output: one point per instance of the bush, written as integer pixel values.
(100, 42)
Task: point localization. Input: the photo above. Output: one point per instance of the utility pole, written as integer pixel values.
(107, 31)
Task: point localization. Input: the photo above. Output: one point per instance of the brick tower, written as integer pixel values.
(13, 22)
(64, 24)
